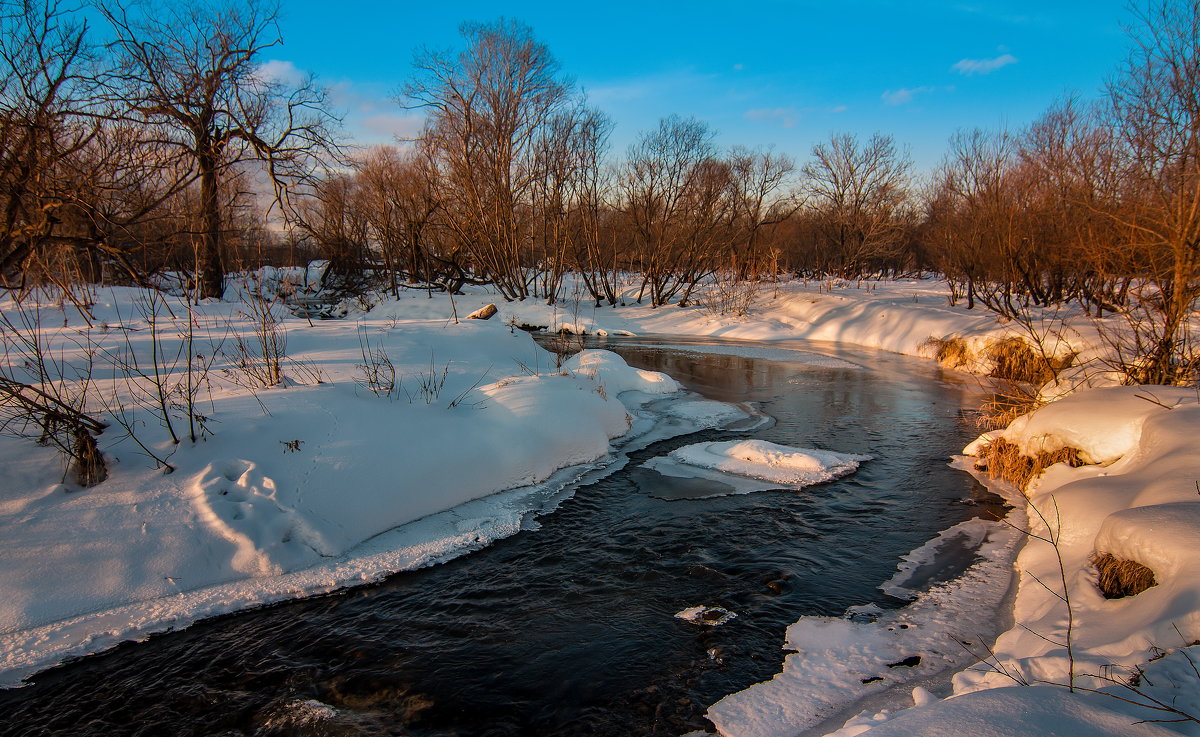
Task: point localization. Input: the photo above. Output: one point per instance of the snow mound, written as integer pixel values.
(610, 370)
(1013, 711)
(1163, 537)
(705, 413)
(1104, 424)
(779, 464)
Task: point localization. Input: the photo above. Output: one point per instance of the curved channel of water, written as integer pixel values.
(570, 629)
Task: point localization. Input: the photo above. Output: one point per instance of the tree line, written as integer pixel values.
(160, 141)
(144, 150)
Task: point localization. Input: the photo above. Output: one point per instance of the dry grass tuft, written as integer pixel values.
(88, 464)
(1119, 578)
(1008, 402)
(1004, 460)
(1014, 359)
(950, 352)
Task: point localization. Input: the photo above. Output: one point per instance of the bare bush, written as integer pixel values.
(726, 294)
(44, 396)
(376, 373)
(258, 360)
(168, 383)
(430, 382)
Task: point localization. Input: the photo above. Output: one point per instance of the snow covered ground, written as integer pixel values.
(313, 485)
(300, 488)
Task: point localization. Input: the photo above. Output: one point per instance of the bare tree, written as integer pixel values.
(972, 220)
(395, 192)
(667, 179)
(761, 200)
(42, 56)
(338, 220)
(859, 192)
(566, 196)
(1156, 114)
(192, 71)
(488, 105)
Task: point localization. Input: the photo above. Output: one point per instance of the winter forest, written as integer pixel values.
(137, 144)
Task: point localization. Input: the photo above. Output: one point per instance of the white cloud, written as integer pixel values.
(284, 72)
(969, 67)
(904, 95)
(647, 87)
(784, 116)
(738, 67)
(394, 126)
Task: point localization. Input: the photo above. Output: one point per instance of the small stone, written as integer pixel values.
(483, 313)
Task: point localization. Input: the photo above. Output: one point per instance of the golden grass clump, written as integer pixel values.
(1119, 578)
(1004, 460)
(1005, 404)
(950, 352)
(1014, 359)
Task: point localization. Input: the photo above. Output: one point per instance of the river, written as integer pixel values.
(569, 628)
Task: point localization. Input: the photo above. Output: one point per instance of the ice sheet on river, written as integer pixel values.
(755, 465)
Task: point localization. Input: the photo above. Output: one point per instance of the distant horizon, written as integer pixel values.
(782, 74)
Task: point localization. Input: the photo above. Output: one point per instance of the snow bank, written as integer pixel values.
(1025, 711)
(616, 376)
(1163, 537)
(1103, 424)
(1140, 506)
(281, 497)
(838, 661)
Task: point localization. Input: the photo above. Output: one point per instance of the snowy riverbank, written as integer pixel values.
(1133, 498)
(295, 489)
(297, 492)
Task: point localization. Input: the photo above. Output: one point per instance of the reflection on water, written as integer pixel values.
(570, 629)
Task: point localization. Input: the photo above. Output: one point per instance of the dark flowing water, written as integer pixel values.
(569, 629)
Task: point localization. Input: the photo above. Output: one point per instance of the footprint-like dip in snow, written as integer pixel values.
(755, 465)
(237, 502)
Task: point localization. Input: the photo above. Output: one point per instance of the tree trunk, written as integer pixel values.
(210, 268)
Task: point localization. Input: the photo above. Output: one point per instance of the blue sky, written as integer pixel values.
(785, 73)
